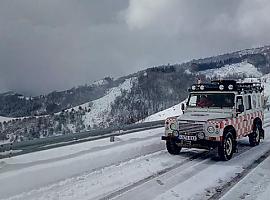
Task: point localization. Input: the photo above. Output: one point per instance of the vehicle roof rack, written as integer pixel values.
(227, 85)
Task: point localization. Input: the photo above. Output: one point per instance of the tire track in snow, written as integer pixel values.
(199, 161)
(112, 195)
(222, 191)
(241, 150)
(204, 157)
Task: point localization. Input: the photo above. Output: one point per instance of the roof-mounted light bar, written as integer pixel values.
(227, 85)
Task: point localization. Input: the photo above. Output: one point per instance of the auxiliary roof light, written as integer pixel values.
(193, 87)
(230, 87)
(221, 87)
(202, 87)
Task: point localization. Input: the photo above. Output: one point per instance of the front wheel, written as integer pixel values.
(226, 148)
(172, 147)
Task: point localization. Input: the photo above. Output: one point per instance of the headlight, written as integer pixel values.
(173, 126)
(211, 129)
(175, 133)
(200, 135)
(221, 87)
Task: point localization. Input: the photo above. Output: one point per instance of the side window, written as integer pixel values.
(254, 101)
(262, 101)
(248, 102)
(259, 101)
(239, 101)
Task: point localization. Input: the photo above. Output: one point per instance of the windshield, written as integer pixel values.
(203, 100)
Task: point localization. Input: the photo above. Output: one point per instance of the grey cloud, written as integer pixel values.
(57, 44)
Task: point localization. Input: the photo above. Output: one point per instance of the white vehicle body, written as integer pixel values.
(205, 126)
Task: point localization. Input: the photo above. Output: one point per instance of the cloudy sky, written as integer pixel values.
(50, 45)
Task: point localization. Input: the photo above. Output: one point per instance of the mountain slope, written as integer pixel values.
(16, 105)
(242, 69)
(122, 101)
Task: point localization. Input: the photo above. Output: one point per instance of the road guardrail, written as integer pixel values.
(23, 147)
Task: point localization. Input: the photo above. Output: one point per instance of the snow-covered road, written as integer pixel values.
(136, 166)
(256, 185)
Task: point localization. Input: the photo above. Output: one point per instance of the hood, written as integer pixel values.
(203, 116)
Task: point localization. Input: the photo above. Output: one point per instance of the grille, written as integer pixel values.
(186, 128)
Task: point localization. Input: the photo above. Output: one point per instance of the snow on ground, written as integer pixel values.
(174, 185)
(10, 152)
(94, 169)
(36, 170)
(266, 83)
(187, 71)
(243, 68)
(2, 119)
(213, 175)
(91, 185)
(162, 115)
(253, 51)
(100, 108)
(256, 185)
(100, 82)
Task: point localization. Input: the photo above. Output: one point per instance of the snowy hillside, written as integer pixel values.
(253, 51)
(2, 119)
(102, 104)
(243, 69)
(99, 109)
(266, 79)
(162, 115)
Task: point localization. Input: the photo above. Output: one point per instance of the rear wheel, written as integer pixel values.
(172, 147)
(226, 148)
(255, 136)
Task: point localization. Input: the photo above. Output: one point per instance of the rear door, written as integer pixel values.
(248, 114)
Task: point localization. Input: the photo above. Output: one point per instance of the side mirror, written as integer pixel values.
(182, 106)
(240, 108)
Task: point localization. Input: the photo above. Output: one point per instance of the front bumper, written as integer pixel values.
(200, 144)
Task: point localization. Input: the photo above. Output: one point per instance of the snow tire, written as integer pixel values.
(226, 148)
(172, 147)
(255, 136)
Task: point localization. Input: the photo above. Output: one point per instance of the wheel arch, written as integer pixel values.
(231, 129)
(257, 120)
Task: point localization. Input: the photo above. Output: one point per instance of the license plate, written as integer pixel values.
(187, 137)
